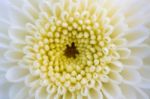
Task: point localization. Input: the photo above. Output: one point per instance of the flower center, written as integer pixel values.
(71, 51)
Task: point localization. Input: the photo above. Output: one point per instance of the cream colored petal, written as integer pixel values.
(119, 30)
(137, 35)
(4, 25)
(5, 65)
(124, 52)
(133, 92)
(115, 77)
(4, 42)
(131, 76)
(147, 91)
(146, 60)
(116, 66)
(132, 62)
(140, 16)
(95, 94)
(35, 3)
(30, 10)
(17, 3)
(41, 93)
(14, 90)
(46, 7)
(140, 94)
(3, 79)
(4, 10)
(140, 51)
(4, 89)
(17, 46)
(127, 91)
(120, 42)
(57, 10)
(14, 55)
(17, 74)
(18, 17)
(31, 80)
(18, 34)
(33, 89)
(23, 93)
(145, 84)
(111, 91)
(144, 72)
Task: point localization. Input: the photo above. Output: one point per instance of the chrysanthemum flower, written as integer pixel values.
(75, 49)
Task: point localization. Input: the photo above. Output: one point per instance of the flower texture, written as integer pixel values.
(75, 49)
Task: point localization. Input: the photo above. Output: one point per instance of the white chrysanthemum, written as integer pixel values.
(75, 49)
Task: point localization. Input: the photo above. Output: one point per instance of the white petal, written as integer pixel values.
(140, 94)
(17, 46)
(95, 94)
(132, 62)
(46, 7)
(2, 53)
(116, 66)
(30, 9)
(140, 51)
(23, 93)
(131, 76)
(16, 74)
(4, 9)
(119, 30)
(6, 65)
(17, 3)
(4, 42)
(41, 93)
(18, 17)
(2, 79)
(124, 52)
(120, 42)
(14, 55)
(4, 89)
(128, 92)
(137, 35)
(115, 77)
(146, 60)
(14, 90)
(31, 80)
(145, 72)
(145, 83)
(4, 27)
(18, 34)
(111, 91)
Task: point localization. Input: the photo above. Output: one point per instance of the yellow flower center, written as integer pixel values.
(71, 51)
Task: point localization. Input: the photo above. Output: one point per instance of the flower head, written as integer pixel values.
(76, 49)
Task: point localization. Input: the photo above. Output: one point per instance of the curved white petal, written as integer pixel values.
(130, 76)
(137, 35)
(16, 74)
(140, 51)
(41, 93)
(144, 72)
(124, 52)
(18, 34)
(14, 55)
(7, 65)
(132, 62)
(115, 77)
(31, 80)
(111, 91)
(95, 94)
